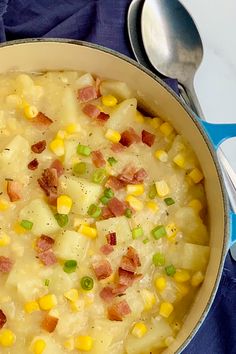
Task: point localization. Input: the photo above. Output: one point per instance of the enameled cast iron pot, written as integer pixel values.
(158, 99)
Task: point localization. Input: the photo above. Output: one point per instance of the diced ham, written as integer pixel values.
(148, 138)
(107, 294)
(140, 175)
(14, 190)
(58, 166)
(133, 255)
(117, 147)
(98, 159)
(116, 207)
(103, 117)
(5, 264)
(102, 269)
(119, 289)
(128, 264)
(87, 94)
(107, 249)
(91, 110)
(118, 311)
(49, 183)
(39, 147)
(128, 137)
(126, 278)
(44, 243)
(49, 323)
(115, 183)
(42, 120)
(127, 174)
(47, 258)
(106, 213)
(33, 165)
(3, 319)
(111, 238)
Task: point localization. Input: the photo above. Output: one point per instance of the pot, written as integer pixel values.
(158, 99)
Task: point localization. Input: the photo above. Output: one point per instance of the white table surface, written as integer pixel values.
(215, 82)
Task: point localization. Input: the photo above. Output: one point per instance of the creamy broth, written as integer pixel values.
(103, 236)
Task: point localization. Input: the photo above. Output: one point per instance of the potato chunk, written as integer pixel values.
(71, 245)
(119, 225)
(123, 115)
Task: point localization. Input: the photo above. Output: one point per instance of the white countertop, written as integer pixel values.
(215, 82)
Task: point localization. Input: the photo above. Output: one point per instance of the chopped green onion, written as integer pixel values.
(83, 150)
(158, 259)
(169, 201)
(112, 161)
(158, 232)
(46, 282)
(137, 232)
(108, 192)
(86, 283)
(26, 224)
(70, 266)
(104, 200)
(94, 211)
(128, 213)
(61, 219)
(170, 270)
(152, 191)
(80, 168)
(99, 175)
(146, 241)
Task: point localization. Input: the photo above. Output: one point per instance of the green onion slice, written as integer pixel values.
(112, 161)
(26, 224)
(83, 150)
(94, 211)
(170, 270)
(70, 266)
(169, 201)
(61, 219)
(158, 232)
(158, 259)
(137, 232)
(86, 283)
(80, 168)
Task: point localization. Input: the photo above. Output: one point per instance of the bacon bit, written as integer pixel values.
(133, 255)
(115, 183)
(119, 289)
(44, 243)
(91, 110)
(148, 138)
(140, 175)
(103, 117)
(97, 86)
(47, 258)
(49, 183)
(106, 213)
(87, 94)
(111, 238)
(127, 174)
(107, 294)
(102, 269)
(98, 159)
(58, 166)
(116, 206)
(117, 147)
(107, 249)
(3, 319)
(14, 190)
(128, 264)
(33, 165)
(117, 311)
(39, 147)
(5, 264)
(126, 278)
(42, 120)
(49, 323)
(128, 137)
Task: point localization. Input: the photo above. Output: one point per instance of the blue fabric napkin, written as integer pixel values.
(104, 22)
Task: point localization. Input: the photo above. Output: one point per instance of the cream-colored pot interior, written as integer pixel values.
(47, 55)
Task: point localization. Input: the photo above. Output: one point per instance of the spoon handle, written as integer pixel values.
(228, 172)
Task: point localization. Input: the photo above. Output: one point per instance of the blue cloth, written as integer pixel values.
(104, 22)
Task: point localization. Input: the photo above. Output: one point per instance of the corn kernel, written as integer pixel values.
(161, 155)
(181, 276)
(196, 175)
(48, 302)
(162, 188)
(7, 338)
(31, 306)
(84, 343)
(73, 128)
(155, 122)
(153, 206)
(57, 146)
(148, 298)
(109, 100)
(38, 346)
(197, 279)
(160, 283)
(166, 309)
(183, 289)
(4, 240)
(69, 344)
(61, 134)
(135, 203)
(64, 204)
(4, 205)
(179, 160)
(166, 129)
(72, 295)
(30, 111)
(19, 229)
(113, 135)
(88, 231)
(139, 330)
(135, 189)
(169, 340)
(171, 230)
(139, 117)
(196, 205)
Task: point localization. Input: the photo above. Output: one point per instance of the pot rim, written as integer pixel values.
(197, 124)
